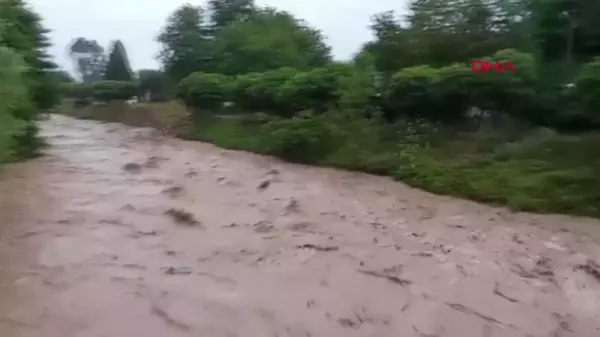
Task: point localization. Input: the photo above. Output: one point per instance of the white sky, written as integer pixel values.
(137, 22)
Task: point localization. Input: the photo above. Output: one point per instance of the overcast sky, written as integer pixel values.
(137, 22)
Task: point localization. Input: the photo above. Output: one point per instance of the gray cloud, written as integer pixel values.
(137, 22)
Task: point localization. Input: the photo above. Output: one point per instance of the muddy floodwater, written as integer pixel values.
(120, 232)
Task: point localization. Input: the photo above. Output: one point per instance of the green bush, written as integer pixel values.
(316, 90)
(247, 96)
(505, 92)
(261, 92)
(455, 93)
(304, 139)
(413, 92)
(359, 89)
(587, 93)
(106, 91)
(204, 91)
(285, 92)
(445, 94)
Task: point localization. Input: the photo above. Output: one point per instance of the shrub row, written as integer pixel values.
(282, 92)
(439, 94)
(103, 91)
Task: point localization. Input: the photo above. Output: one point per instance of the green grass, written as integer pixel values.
(224, 132)
(540, 172)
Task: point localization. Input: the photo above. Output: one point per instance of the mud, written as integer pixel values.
(95, 241)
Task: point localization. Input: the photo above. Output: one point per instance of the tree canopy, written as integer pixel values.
(237, 37)
(224, 12)
(89, 59)
(28, 84)
(268, 40)
(185, 43)
(117, 67)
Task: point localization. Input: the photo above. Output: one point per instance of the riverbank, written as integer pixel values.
(531, 169)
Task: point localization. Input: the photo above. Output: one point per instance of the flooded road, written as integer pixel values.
(118, 232)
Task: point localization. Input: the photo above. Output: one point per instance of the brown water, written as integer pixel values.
(86, 249)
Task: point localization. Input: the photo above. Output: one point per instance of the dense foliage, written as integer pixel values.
(117, 67)
(28, 83)
(239, 38)
(204, 90)
(446, 94)
(13, 98)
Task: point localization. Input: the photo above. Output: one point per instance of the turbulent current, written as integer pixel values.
(121, 232)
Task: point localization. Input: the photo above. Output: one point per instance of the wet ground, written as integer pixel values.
(119, 232)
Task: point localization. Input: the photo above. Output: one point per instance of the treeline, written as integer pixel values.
(418, 66)
(29, 79)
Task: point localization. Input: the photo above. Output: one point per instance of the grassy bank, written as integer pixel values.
(540, 171)
(531, 169)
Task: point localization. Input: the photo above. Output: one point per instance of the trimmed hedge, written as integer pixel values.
(103, 91)
(202, 90)
(444, 95)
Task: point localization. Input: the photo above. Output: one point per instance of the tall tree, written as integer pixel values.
(185, 43)
(391, 48)
(89, 59)
(566, 28)
(223, 12)
(269, 39)
(27, 86)
(23, 32)
(449, 31)
(442, 32)
(118, 68)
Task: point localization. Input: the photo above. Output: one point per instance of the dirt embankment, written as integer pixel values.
(118, 232)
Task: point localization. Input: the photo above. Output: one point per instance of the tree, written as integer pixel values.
(566, 29)
(24, 33)
(27, 86)
(185, 43)
(89, 59)
(442, 32)
(118, 68)
(224, 12)
(391, 49)
(451, 31)
(268, 39)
